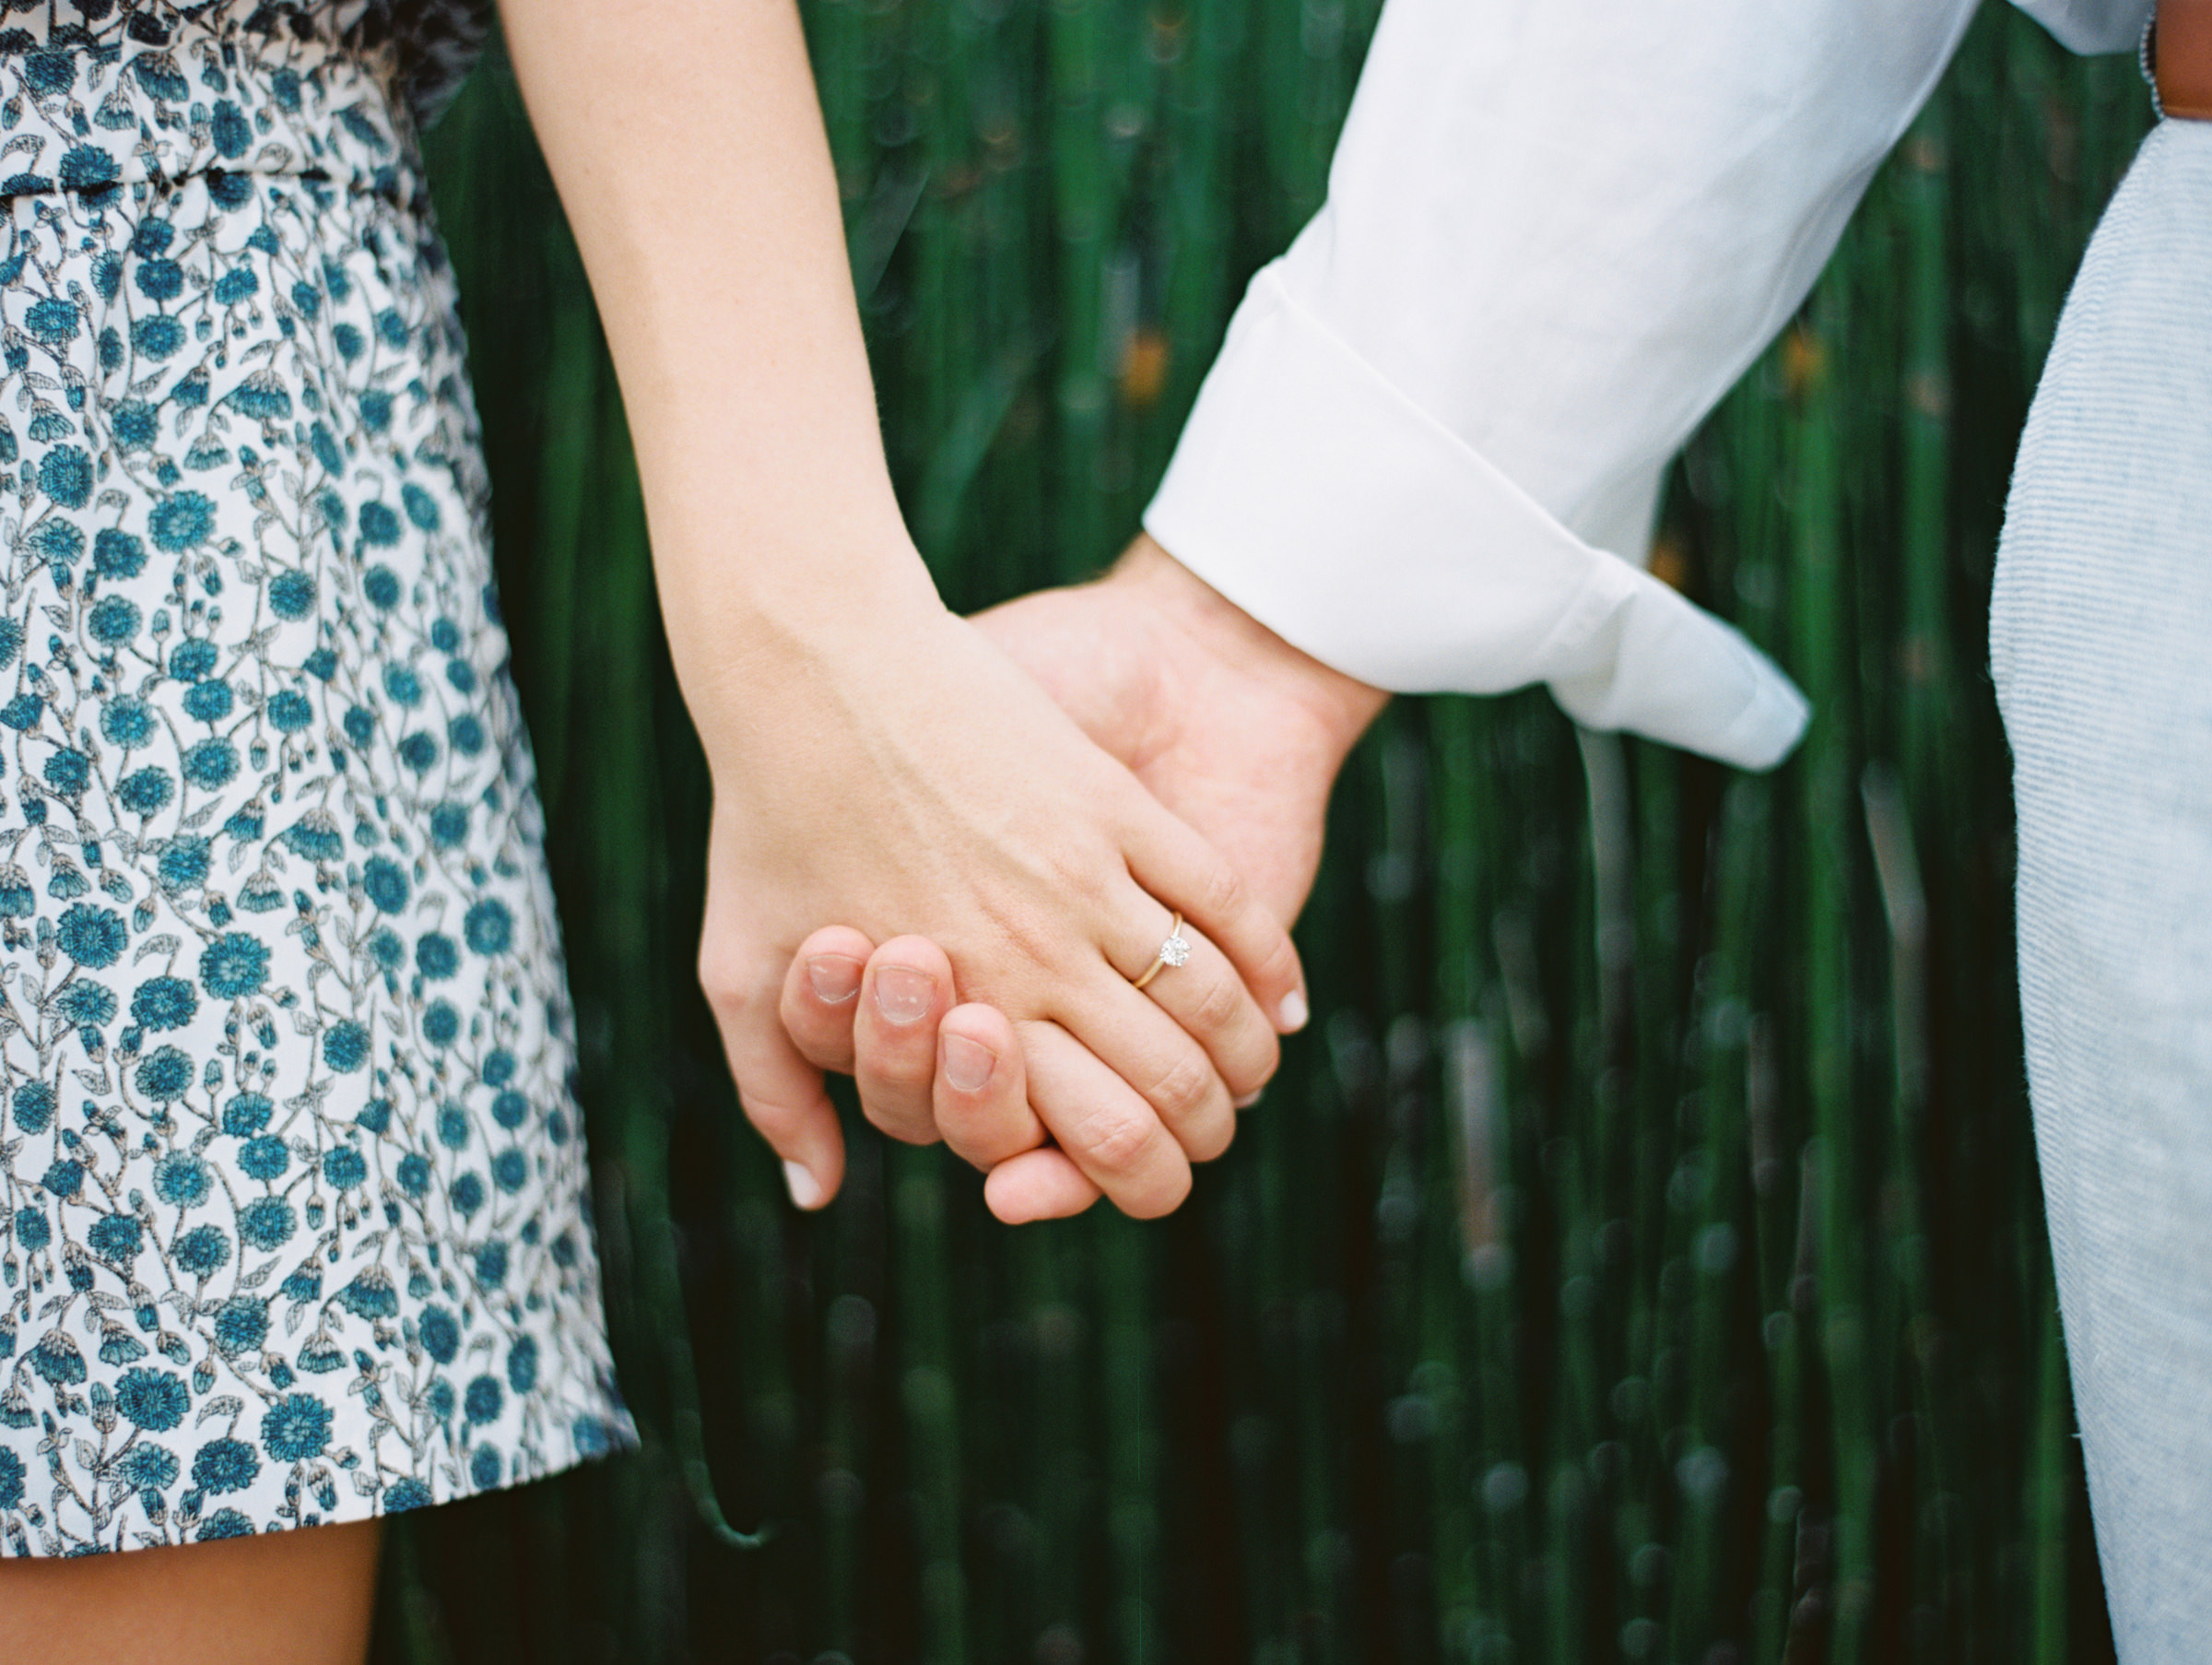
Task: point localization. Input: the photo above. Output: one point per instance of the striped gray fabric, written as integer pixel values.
(2102, 643)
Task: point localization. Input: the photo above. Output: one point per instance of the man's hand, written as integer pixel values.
(1229, 727)
(1234, 730)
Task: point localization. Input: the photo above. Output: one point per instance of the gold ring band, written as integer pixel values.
(1173, 952)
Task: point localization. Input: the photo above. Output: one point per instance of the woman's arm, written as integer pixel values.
(874, 758)
(686, 140)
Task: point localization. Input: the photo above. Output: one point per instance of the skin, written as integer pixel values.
(299, 1597)
(876, 760)
(1231, 728)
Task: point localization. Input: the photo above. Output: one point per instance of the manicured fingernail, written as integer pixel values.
(1293, 1009)
(967, 1064)
(1247, 1102)
(836, 977)
(806, 1189)
(904, 995)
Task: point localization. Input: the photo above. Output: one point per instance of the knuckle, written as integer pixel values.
(1117, 1141)
(724, 976)
(1221, 893)
(1280, 965)
(1221, 1005)
(1006, 967)
(1182, 1088)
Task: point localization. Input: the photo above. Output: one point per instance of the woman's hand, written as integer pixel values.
(1221, 720)
(900, 773)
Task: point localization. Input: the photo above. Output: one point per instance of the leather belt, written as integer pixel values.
(2182, 58)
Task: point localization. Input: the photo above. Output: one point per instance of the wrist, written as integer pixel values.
(764, 657)
(1212, 625)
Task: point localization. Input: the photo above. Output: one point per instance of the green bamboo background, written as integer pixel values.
(1640, 1258)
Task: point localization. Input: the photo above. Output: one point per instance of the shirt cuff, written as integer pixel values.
(1313, 495)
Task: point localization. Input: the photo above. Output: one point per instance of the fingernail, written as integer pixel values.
(967, 1064)
(904, 995)
(806, 1189)
(1247, 1102)
(836, 977)
(1293, 1009)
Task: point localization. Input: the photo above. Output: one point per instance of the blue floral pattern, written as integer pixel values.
(292, 1218)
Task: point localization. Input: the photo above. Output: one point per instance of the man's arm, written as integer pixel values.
(1557, 232)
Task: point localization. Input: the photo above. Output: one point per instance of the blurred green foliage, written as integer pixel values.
(1640, 1258)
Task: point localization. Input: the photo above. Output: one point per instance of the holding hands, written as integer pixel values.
(1013, 799)
(1222, 723)
(876, 760)
(927, 784)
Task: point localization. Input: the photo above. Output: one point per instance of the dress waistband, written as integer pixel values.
(155, 94)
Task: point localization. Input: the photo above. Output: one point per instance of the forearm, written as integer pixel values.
(687, 147)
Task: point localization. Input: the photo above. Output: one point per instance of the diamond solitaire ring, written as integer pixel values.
(1175, 951)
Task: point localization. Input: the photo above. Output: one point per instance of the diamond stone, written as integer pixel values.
(1175, 951)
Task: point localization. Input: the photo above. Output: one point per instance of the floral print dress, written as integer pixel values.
(292, 1216)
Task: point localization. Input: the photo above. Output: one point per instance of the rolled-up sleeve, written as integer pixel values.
(1557, 231)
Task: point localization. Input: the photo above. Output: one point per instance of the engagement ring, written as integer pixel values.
(1175, 951)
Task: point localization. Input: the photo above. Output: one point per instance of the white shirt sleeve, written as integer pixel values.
(1557, 232)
